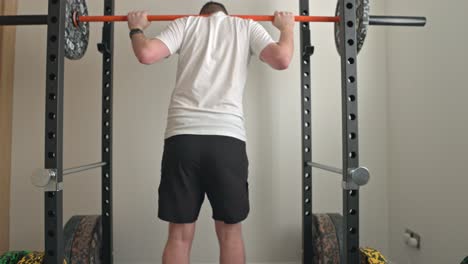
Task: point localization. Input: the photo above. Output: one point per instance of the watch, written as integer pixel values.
(135, 31)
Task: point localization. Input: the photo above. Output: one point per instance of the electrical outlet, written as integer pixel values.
(412, 239)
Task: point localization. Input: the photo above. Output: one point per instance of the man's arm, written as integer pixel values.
(147, 51)
(279, 55)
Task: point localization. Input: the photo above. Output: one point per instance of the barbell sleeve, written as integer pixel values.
(397, 21)
(23, 20)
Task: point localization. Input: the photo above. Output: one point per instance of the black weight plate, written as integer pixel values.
(76, 37)
(328, 246)
(82, 248)
(337, 220)
(69, 234)
(362, 23)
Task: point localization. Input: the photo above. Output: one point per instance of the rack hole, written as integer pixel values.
(51, 253)
(352, 98)
(349, 5)
(350, 23)
(351, 60)
(352, 212)
(352, 135)
(352, 155)
(52, 97)
(52, 77)
(51, 155)
(350, 42)
(352, 117)
(351, 79)
(51, 135)
(51, 213)
(352, 193)
(53, 38)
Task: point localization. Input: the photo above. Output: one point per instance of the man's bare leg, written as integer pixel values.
(230, 243)
(179, 244)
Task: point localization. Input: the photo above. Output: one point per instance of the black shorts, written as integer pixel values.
(195, 165)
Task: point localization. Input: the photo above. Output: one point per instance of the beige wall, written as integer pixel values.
(428, 135)
(272, 107)
(7, 62)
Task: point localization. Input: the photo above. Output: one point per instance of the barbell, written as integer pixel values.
(77, 23)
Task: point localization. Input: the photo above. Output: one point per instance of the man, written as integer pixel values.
(204, 148)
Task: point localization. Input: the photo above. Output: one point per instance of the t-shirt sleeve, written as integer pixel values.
(173, 35)
(259, 38)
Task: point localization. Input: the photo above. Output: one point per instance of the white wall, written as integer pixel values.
(428, 121)
(272, 107)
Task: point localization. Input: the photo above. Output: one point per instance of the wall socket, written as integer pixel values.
(412, 239)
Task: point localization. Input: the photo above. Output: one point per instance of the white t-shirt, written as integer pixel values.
(214, 53)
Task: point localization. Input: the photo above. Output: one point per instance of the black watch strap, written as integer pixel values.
(135, 31)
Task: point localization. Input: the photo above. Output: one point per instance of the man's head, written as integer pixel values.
(213, 7)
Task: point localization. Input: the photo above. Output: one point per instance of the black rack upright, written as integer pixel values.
(53, 203)
(306, 52)
(107, 50)
(350, 136)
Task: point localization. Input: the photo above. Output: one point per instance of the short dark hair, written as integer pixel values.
(213, 7)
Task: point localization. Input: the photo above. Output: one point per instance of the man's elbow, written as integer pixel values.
(147, 57)
(282, 63)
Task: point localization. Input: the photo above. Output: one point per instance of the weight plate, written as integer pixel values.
(76, 36)
(13, 257)
(34, 258)
(328, 250)
(84, 250)
(362, 23)
(337, 221)
(315, 238)
(69, 234)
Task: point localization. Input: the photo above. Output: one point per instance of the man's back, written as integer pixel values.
(214, 53)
